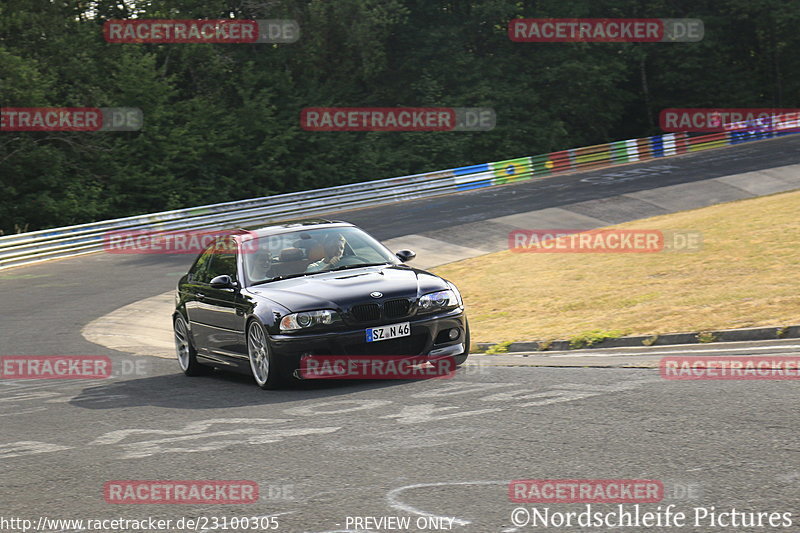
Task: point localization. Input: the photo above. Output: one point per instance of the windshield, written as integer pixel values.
(306, 252)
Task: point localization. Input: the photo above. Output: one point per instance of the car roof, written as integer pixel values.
(286, 226)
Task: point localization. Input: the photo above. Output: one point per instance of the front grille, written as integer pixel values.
(396, 308)
(365, 312)
(412, 345)
(390, 309)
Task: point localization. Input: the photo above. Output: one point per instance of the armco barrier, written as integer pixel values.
(36, 246)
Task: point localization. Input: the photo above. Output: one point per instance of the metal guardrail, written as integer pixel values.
(43, 245)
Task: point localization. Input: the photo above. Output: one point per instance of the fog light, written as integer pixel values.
(454, 333)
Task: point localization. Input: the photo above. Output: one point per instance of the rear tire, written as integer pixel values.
(187, 355)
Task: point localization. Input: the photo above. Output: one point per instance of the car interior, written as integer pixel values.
(269, 262)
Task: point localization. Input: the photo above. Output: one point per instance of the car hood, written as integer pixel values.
(339, 290)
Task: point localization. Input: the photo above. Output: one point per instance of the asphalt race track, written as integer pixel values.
(439, 452)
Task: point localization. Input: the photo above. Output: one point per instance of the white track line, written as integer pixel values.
(669, 352)
(394, 501)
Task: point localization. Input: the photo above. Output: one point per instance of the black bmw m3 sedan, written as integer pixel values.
(264, 299)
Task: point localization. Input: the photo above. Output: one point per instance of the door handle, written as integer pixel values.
(199, 295)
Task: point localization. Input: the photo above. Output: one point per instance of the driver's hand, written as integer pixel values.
(333, 261)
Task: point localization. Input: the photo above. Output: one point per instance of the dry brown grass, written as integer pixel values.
(746, 274)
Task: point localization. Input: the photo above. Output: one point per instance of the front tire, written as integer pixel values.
(187, 355)
(461, 359)
(263, 365)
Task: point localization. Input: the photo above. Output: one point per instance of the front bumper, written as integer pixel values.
(429, 337)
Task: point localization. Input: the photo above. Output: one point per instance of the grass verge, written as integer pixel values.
(746, 274)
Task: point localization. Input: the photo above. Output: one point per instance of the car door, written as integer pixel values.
(193, 292)
(223, 310)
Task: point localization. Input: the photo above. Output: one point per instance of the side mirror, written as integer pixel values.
(405, 255)
(223, 282)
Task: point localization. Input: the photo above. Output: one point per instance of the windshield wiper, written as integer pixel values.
(343, 267)
(279, 278)
(347, 267)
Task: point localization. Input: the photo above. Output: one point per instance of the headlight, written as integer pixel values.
(458, 294)
(307, 319)
(437, 301)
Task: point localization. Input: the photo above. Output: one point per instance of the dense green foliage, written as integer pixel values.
(222, 121)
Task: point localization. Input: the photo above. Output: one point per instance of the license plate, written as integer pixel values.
(388, 332)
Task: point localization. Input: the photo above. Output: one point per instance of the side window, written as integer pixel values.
(199, 272)
(222, 264)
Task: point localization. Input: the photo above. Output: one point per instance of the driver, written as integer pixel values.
(334, 249)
